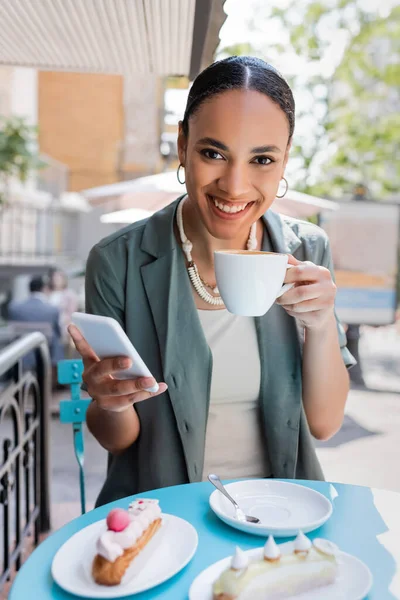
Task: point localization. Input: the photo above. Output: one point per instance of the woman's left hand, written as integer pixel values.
(311, 300)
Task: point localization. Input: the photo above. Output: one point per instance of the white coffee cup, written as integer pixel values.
(250, 281)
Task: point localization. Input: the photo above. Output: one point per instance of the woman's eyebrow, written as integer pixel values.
(262, 149)
(208, 141)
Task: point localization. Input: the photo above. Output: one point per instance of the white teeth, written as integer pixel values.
(229, 209)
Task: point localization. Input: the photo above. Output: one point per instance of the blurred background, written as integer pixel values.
(90, 98)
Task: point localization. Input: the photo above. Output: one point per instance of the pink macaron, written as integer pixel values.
(118, 519)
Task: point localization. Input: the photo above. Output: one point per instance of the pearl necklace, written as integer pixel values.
(193, 272)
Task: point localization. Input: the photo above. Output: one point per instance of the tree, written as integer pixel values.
(364, 122)
(18, 154)
(343, 65)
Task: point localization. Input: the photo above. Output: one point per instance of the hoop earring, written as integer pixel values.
(287, 187)
(177, 175)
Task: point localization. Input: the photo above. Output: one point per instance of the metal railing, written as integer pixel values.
(24, 438)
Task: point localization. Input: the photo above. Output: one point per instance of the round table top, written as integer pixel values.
(365, 522)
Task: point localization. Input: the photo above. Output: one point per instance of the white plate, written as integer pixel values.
(353, 582)
(283, 508)
(171, 548)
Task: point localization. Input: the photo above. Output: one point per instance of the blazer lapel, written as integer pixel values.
(280, 356)
(185, 355)
(283, 238)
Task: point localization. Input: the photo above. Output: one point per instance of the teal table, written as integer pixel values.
(365, 522)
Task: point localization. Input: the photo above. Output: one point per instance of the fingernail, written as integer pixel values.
(124, 363)
(148, 381)
(74, 332)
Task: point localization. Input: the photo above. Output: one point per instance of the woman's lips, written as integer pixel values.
(230, 216)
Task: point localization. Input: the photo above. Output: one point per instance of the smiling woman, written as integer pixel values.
(234, 143)
(242, 396)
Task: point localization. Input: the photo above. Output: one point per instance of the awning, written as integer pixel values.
(165, 37)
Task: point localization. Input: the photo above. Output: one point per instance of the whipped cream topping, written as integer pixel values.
(240, 560)
(302, 543)
(271, 550)
(325, 546)
(142, 512)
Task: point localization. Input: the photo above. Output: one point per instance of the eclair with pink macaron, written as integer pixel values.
(127, 533)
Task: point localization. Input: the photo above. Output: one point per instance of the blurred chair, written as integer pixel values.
(73, 411)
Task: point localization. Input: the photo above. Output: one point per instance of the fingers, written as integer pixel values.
(121, 403)
(84, 349)
(307, 271)
(292, 260)
(108, 366)
(300, 293)
(116, 387)
(140, 396)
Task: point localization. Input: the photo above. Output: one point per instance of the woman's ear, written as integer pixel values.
(286, 157)
(182, 144)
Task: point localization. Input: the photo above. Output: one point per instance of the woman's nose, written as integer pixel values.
(234, 181)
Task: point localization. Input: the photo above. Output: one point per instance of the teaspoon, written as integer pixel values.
(239, 514)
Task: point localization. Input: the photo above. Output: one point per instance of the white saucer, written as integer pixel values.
(283, 508)
(171, 548)
(353, 582)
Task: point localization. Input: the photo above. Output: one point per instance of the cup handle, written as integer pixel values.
(286, 287)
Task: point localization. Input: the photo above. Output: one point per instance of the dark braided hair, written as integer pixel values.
(240, 72)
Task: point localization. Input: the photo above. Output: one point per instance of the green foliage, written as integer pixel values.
(18, 155)
(240, 49)
(366, 126)
(356, 111)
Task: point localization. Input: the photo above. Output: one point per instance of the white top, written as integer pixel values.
(234, 445)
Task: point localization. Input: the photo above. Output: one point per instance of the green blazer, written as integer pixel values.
(138, 276)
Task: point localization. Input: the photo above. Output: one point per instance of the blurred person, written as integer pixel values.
(64, 298)
(37, 309)
(4, 305)
(239, 396)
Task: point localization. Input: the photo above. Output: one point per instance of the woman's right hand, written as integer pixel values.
(109, 393)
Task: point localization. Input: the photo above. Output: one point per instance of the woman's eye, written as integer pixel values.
(263, 160)
(213, 154)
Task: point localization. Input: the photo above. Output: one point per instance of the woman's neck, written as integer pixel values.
(204, 244)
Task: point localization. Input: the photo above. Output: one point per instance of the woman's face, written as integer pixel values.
(234, 158)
